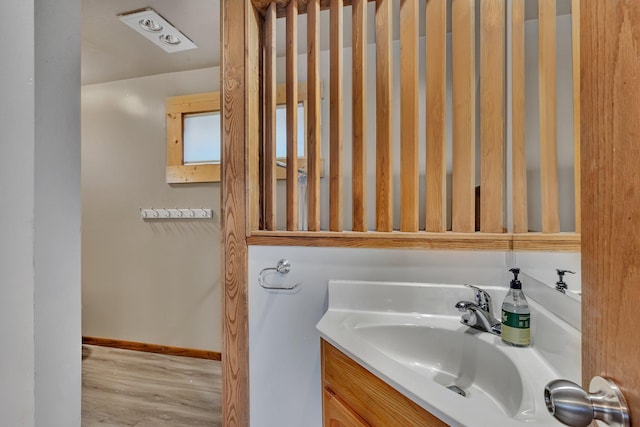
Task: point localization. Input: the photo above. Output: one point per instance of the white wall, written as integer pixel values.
(40, 219)
(154, 281)
(284, 361)
(17, 174)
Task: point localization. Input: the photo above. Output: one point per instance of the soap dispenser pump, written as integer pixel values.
(561, 285)
(516, 316)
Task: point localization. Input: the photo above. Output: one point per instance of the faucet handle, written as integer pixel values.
(483, 299)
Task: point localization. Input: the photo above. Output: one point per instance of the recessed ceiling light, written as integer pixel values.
(169, 39)
(150, 25)
(157, 29)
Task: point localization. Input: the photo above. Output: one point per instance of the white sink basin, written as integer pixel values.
(432, 358)
(452, 358)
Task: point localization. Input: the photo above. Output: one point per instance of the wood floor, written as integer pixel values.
(132, 388)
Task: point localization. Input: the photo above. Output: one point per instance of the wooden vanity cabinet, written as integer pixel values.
(354, 397)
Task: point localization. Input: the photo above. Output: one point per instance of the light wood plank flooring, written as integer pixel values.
(132, 388)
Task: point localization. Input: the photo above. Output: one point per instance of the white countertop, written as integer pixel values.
(409, 335)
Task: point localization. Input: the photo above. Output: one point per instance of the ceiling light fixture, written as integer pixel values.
(169, 39)
(157, 29)
(150, 25)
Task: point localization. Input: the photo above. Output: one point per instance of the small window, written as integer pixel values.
(193, 135)
(201, 138)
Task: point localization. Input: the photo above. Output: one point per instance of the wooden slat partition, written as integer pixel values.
(575, 53)
(518, 144)
(436, 101)
(492, 115)
(335, 101)
(269, 151)
(492, 111)
(464, 129)
(548, 120)
(292, 116)
(313, 115)
(384, 121)
(358, 153)
(409, 173)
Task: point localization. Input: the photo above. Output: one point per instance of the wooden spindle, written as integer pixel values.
(575, 52)
(335, 102)
(548, 120)
(464, 128)
(518, 145)
(255, 130)
(292, 115)
(270, 118)
(384, 121)
(314, 122)
(359, 50)
(492, 93)
(436, 185)
(409, 173)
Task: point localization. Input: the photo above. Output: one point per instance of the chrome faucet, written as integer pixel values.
(479, 314)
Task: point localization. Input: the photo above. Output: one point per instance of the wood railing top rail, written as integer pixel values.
(281, 5)
(560, 242)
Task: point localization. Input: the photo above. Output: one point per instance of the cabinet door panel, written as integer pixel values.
(336, 414)
(375, 401)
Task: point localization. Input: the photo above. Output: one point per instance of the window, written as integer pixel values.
(193, 135)
(201, 139)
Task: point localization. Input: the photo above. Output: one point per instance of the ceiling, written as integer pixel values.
(113, 51)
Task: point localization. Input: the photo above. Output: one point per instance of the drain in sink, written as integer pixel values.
(458, 390)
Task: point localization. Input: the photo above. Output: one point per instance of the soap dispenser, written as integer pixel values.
(561, 285)
(516, 316)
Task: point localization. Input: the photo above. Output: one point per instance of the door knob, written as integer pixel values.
(573, 406)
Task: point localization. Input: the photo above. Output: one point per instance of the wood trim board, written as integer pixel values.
(561, 242)
(152, 348)
(235, 18)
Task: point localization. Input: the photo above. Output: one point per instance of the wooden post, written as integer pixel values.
(269, 152)
(314, 121)
(358, 154)
(409, 173)
(548, 119)
(237, 123)
(384, 118)
(336, 118)
(518, 143)
(492, 121)
(436, 186)
(464, 116)
(292, 116)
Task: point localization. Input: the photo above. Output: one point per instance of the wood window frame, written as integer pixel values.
(177, 172)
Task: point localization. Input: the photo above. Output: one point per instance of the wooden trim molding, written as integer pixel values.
(153, 348)
(562, 242)
(238, 20)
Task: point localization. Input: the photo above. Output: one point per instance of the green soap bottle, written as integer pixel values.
(516, 316)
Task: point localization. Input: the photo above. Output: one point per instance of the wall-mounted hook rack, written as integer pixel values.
(176, 213)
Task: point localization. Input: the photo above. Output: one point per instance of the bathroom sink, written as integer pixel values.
(411, 337)
(455, 359)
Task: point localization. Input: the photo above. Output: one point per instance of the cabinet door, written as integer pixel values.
(337, 414)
